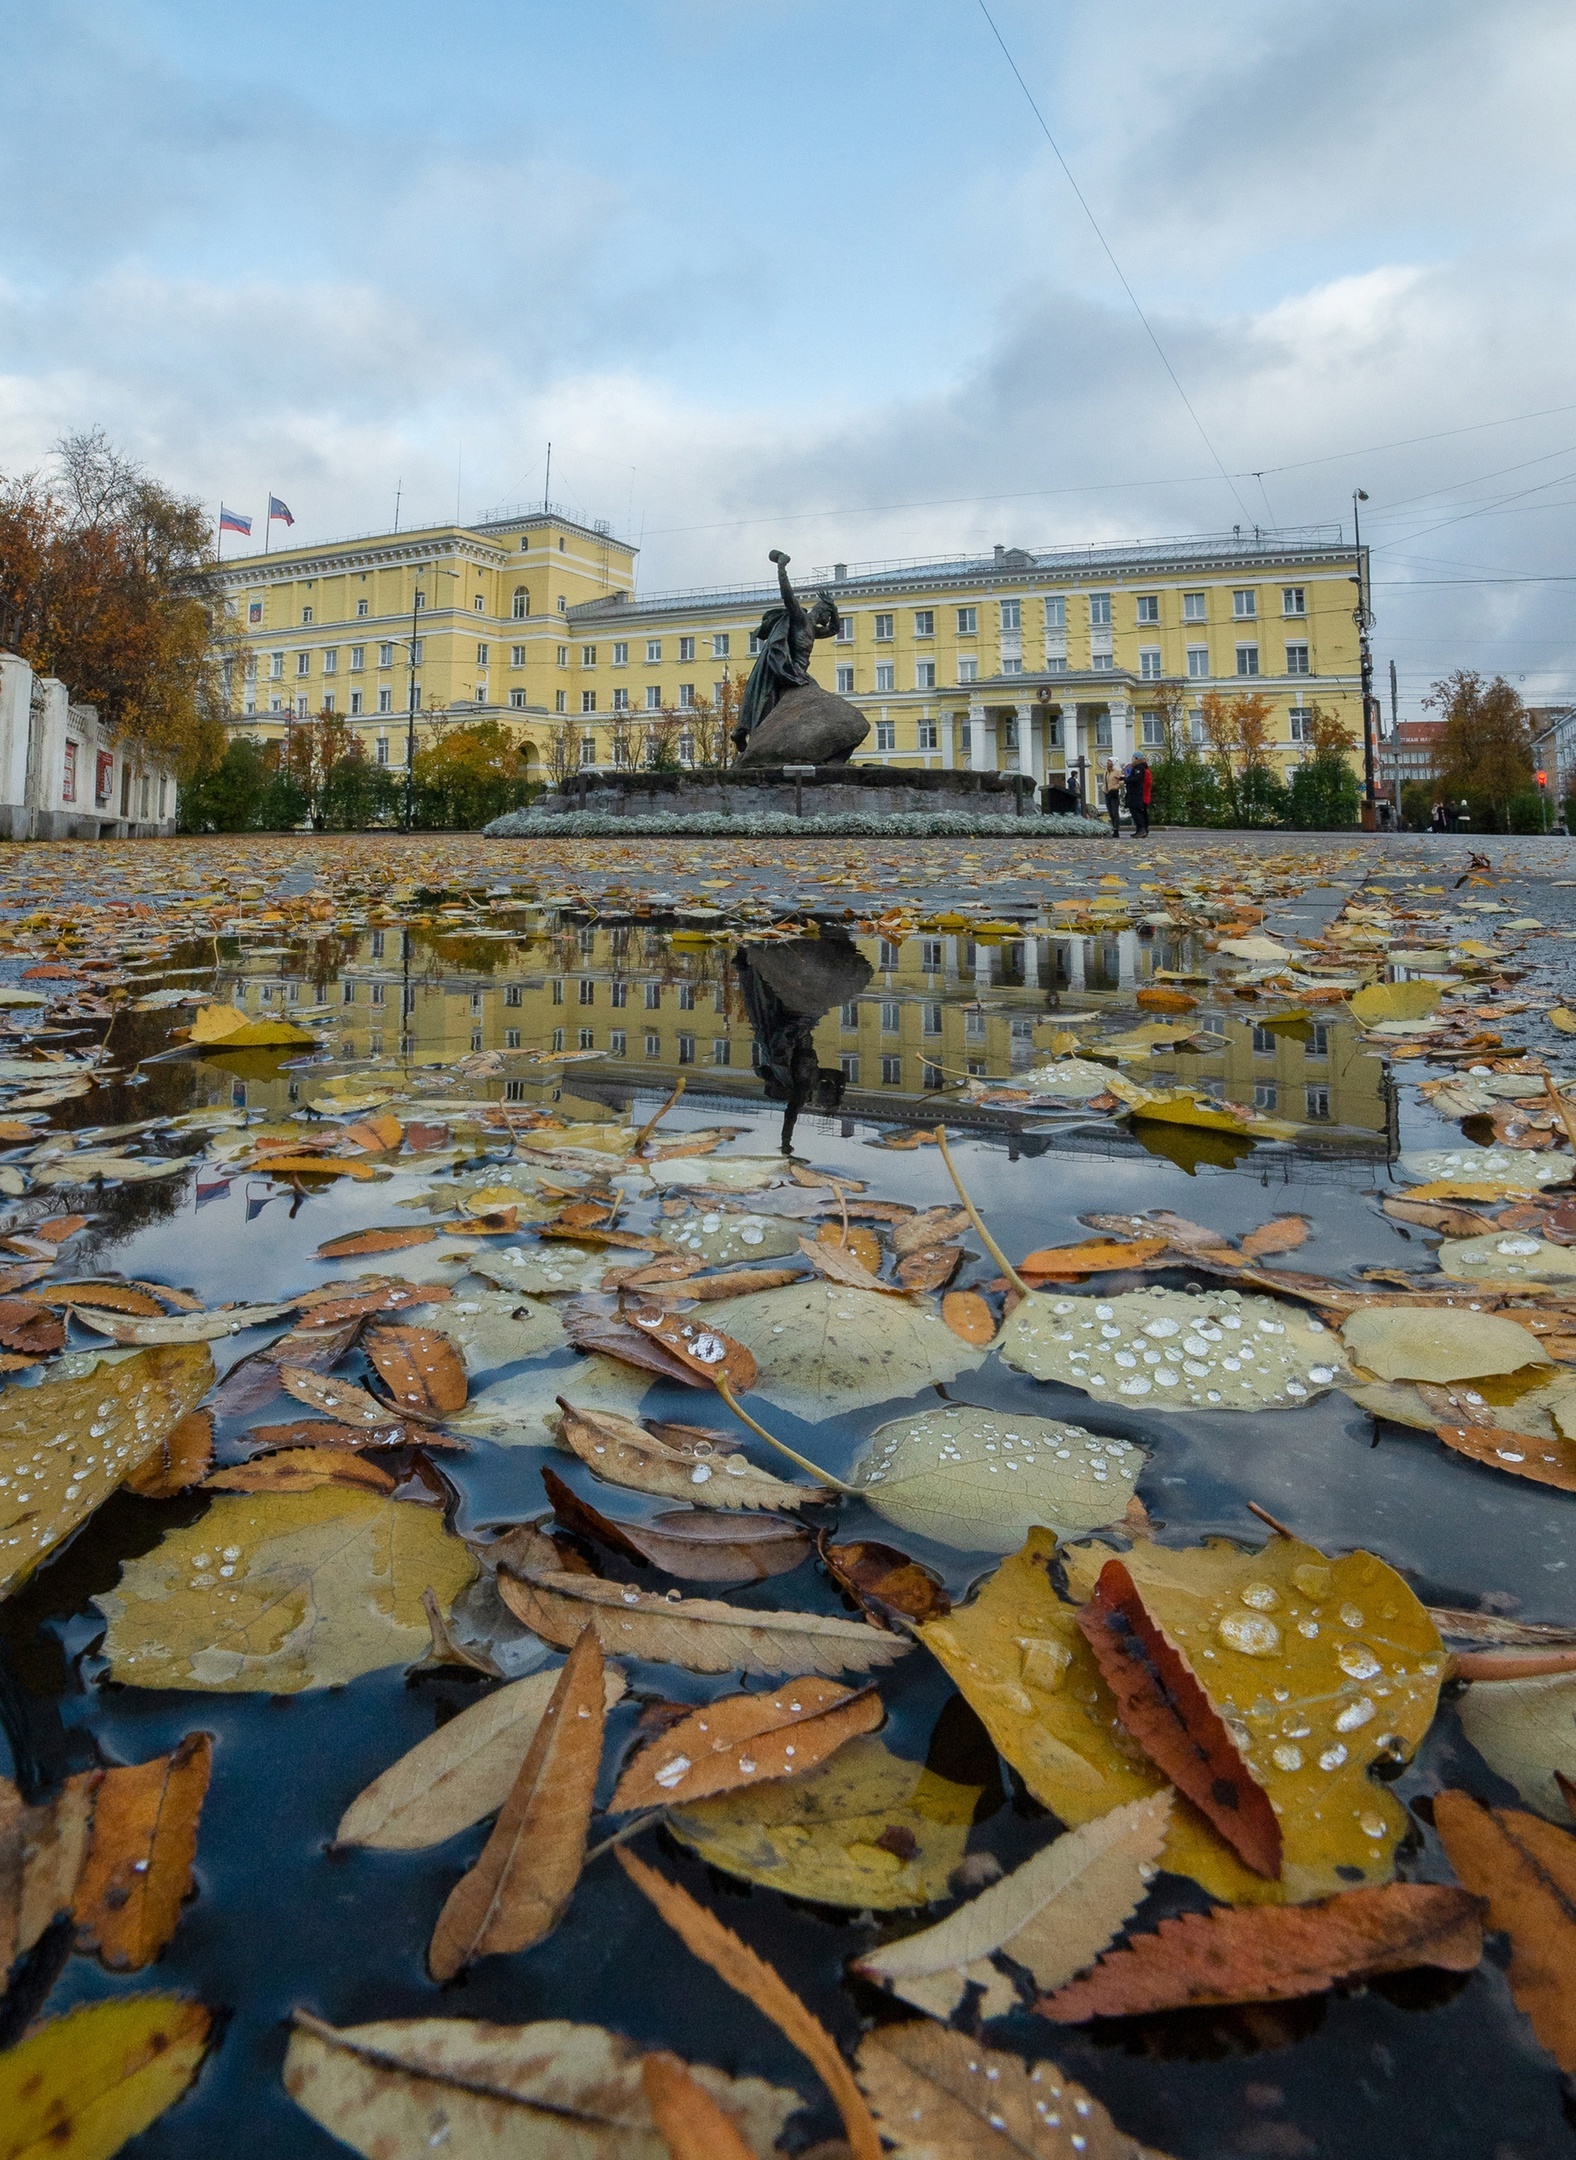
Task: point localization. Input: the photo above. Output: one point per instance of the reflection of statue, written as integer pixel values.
(787, 989)
(786, 638)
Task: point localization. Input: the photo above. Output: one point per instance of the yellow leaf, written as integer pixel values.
(78, 2087)
(1018, 1655)
(222, 1024)
(1395, 1001)
(1562, 1018)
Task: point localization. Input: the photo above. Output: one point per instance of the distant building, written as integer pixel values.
(1554, 746)
(1413, 749)
(64, 772)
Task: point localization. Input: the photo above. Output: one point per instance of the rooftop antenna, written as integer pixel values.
(399, 489)
(547, 485)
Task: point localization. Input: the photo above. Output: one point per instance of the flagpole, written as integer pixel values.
(268, 524)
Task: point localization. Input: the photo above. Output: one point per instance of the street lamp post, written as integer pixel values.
(1366, 659)
(410, 724)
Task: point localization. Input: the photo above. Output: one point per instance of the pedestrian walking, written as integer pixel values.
(1140, 786)
(1439, 820)
(1111, 781)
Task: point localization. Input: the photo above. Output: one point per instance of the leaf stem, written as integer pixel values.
(976, 1219)
(653, 1122)
(823, 1477)
(630, 1829)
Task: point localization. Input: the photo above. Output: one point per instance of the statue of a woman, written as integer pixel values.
(787, 638)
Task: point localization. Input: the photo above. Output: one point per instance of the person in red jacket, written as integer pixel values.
(1140, 786)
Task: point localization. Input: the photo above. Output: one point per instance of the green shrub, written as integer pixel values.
(1325, 796)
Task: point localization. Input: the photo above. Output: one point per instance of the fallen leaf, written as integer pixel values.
(81, 2086)
(614, 1335)
(224, 1025)
(723, 1240)
(1053, 1916)
(282, 1591)
(731, 1283)
(936, 1226)
(300, 1470)
(31, 1330)
(500, 2092)
(696, 1545)
(1284, 1233)
(1525, 1730)
(1094, 1256)
(701, 1348)
(344, 1403)
(929, 1267)
(822, 1349)
(977, 1479)
(521, 1885)
(459, 1774)
(1277, 1953)
(677, 1465)
(940, 2095)
(884, 1582)
(138, 1868)
(112, 1296)
(859, 1244)
(1560, 1017)
(1161, 1703)
(191, 1327)
(421, 1369)
(540, 1270)
(322, 1432)
(497, 1327)
(700, 1634)
(969, 1317)
(1526, 1868)
(522, 1410)
(356, 1242)
(1395, 1001)
(42, 1849)
(1431, 1215)
(1514, 1439)
(1211, 1351)
(180, 1460)
(1415, 1342)
(740, 1740)
(60, 1445)
(760, 1984)
(691, 2124)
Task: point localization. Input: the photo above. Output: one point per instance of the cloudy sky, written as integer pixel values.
(813, 276)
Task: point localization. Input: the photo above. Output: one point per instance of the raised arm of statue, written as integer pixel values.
(790, 597)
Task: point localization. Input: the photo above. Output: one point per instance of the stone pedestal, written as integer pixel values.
(808, 726)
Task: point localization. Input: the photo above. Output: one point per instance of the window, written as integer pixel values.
(1263, 1042)
(1154, 731)
(385, 701)
(479, 604)
(588, 656)
(560, 701)
(1056, 612)
(587, 990)
(1320, 1046)
(481, 655)
(1244, 605)
(301, 706)
(331, 662)
(845, 631)
(686, 1049)
(1148, 607)
(1247, 659)
(421, 597)
(522, 603)
(618, 994)
(653, 697)
(653, 997)
(1301, 718)
(328, 701)
(653, 1046)
(477, 1002)
(924, 674)
(1099, 611)
(1296, 659)
(358, 658)
(1265, 1095)
(68, 779)
(931, 954)
(930, 1019)
(891, 1072)
(1292, 600)
(886, 734)
(883, 628)
(686, 997)
(653, 650)
(928, 736)
(968, 621)
(1149, 663)
(1102, 731)
(355, 701)
(514, 995)
(620, 701)
(1317, 1100)
(974, 1025)
(276, 664)
(687, 695)
(558, 1038)
(588, 749)
(886, 676)
(845, 682)
(968, 671)
(588, 701)
(417, 647)
(621, 654)
(891, 1014)
(720, 645)
(1099, 661)
(1011, 614)
(1198, 660)
(383, 750)
(1193, 607)
(587, 1039)
(517, 700)
(303, 663)
(686, 648)
(251, 667)
(563, 656)
(511, 1038)
(721, 1050)
(363, 607)
(306, 614)
(517, 656)
(924, 622)
(563, 600)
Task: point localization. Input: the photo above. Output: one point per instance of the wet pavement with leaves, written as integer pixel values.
(674, 1497)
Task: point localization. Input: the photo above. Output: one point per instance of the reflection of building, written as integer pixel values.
(1017, 661)
(635, 1007)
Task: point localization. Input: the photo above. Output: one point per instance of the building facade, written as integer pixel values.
(1044, 662)
(65, 774)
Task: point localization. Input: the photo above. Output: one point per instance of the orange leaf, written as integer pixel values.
(692, 2125)
(862, 1244)
(1162, 1705)
(378, 1134)
(299, 1470)
(968, 1315)
(737, 1964)
(883, 1581)
(421, 1369)
(394, 1239)
(1270, 1953)
(1526, 1868)
(107, 1297)
(1093, 1257)
(518, 1890)
(704, 1351)
(29, 1328)
(746, 1739)
(139, 1860)
(929, 1267)
(179, 1461)
(1284, 1234)
(843, 1267)
(1156, 998)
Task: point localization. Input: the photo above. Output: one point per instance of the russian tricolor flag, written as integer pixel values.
(232, 521)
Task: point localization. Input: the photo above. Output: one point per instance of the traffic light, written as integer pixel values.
(1542, 779)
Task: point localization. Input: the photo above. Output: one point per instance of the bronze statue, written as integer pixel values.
(787, 639)
(787, 990)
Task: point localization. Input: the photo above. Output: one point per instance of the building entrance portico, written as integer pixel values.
(1059, 728)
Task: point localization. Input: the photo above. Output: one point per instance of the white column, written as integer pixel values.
(1031, 963)
(1075, 961)
(978, 761)
(949, 960)
(1126, 958)
(945, 738)
(16, 689)
(49, 751)
(1026, 762)
(1122, 744)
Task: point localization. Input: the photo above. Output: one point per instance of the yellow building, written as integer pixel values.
(1043, 662)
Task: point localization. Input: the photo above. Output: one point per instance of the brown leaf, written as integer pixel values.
(254, 1381)
(421, 1369)
(1526, 1868)
(694, 1545)
(734, 1962)
(445, 1648)
(31, 1330)
(618, 1240)
(860, 1244)
(1159, 997)
(139, 1860)
(969, 1317)
(690, 2122)
(1471, 1429)
(885, 1582)
(675, 1463)
(299, 1470)
(1284, 1233)
(843, 1267)
(929, 1267)
(669, 1268)
(344, 1402)
(379, 1134)
(108, 1296)
(1162, 1705)
(423, 1139)
(331, 1308)
(746, 1739)
(732, 1283)
(941, 2095)
(323, 1432)
(1272, 1953)
(41, 1854)
(936, 1226)
(1456, 1222)
(180, 1461)
(704, 1351)
(60, 1227)
(618, 1337)
(518, 1889)
(1092, 1257)
(393, 1239)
